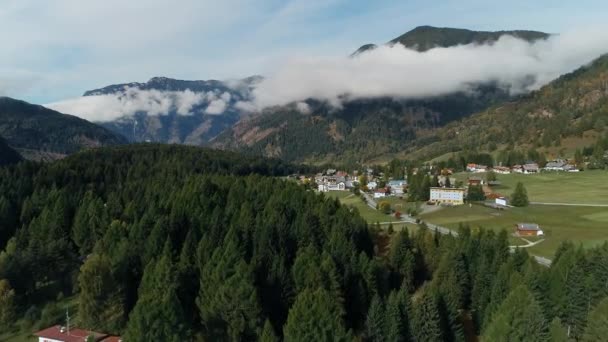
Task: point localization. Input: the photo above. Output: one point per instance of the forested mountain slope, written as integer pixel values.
(360, 131)
(169, 243)
(567, 107)
(7, 154)
(38, 129)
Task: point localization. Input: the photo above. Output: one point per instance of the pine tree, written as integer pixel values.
(7, 305)
(315, 316)
(597, 326)
(557, 333)
(519, 318)
(99, 306)
(268, 334)
(375, 324)
(575, 312)
(427, 322)
(519, 198)
(158, 314)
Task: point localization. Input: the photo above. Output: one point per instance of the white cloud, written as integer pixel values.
(403, 73)
(216, 107)
(154, 102)
(303, 107)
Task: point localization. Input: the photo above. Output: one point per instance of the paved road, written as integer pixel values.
(571, 204)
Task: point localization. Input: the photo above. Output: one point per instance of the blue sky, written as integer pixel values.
(58, 49)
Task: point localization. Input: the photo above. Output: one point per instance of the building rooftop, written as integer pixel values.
(528, 226)
(60, 333)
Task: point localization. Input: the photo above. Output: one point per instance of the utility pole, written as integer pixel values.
(67, 316)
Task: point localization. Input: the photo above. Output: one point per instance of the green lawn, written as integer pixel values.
(585, 225)
(586, 187)
(369, 214)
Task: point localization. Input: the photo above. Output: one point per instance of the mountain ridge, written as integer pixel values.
(197, 126)
(424, 38)
(36, 128)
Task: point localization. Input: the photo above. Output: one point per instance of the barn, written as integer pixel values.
(528, 229)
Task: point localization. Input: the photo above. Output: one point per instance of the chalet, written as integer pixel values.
(453, 196)
(528, 229)
(381, 193)
(518, 168)
(372, 185)
(530, 168)
(558, 165)
(475, 181)
(476, 168)
(397, 186)
(58, 333)
(503, 170)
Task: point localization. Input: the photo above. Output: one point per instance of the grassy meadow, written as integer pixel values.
(585, 225)
(586, 187)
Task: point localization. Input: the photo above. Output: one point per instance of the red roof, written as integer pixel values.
(75, 335)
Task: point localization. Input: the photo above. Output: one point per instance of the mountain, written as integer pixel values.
(7, 154)
(424, 38)
(568, 113)
(368, 129)
(194, 125)
(41, 133)
(360, 131)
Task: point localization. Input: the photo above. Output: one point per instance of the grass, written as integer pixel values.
(586, 187)
(585, 225)
(369, 214)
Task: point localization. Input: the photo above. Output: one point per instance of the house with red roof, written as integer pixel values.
(59, 333)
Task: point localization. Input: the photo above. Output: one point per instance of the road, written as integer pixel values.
(571, 204)
(445, 231)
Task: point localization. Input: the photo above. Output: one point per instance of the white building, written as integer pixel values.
(330, 186)
(453, 196)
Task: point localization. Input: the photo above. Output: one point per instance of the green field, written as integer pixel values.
(369, 214)
(585, 225)
(586, 187)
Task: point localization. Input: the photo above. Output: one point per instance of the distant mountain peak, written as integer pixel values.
(426, 37)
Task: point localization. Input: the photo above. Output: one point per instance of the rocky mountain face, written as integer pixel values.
(41, 133)
(210, 108)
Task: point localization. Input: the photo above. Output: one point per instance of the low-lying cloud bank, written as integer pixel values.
(393, 71)
(110, 107)
(399, 72)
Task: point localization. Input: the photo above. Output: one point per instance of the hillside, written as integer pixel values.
(571, 111)
(360, 131)
(368, 130)
(172, 243)
(37, 130)
(424, 38)
(196, 126)
(7, 154)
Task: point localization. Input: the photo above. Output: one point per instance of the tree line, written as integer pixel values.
(170, 243)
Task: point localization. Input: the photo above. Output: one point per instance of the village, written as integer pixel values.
(476, 184)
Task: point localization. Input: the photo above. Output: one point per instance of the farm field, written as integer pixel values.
(586, 187)
(585, 225)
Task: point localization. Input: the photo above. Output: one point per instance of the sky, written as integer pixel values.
(54, 50)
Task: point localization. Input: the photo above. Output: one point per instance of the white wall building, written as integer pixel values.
(447, 195)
